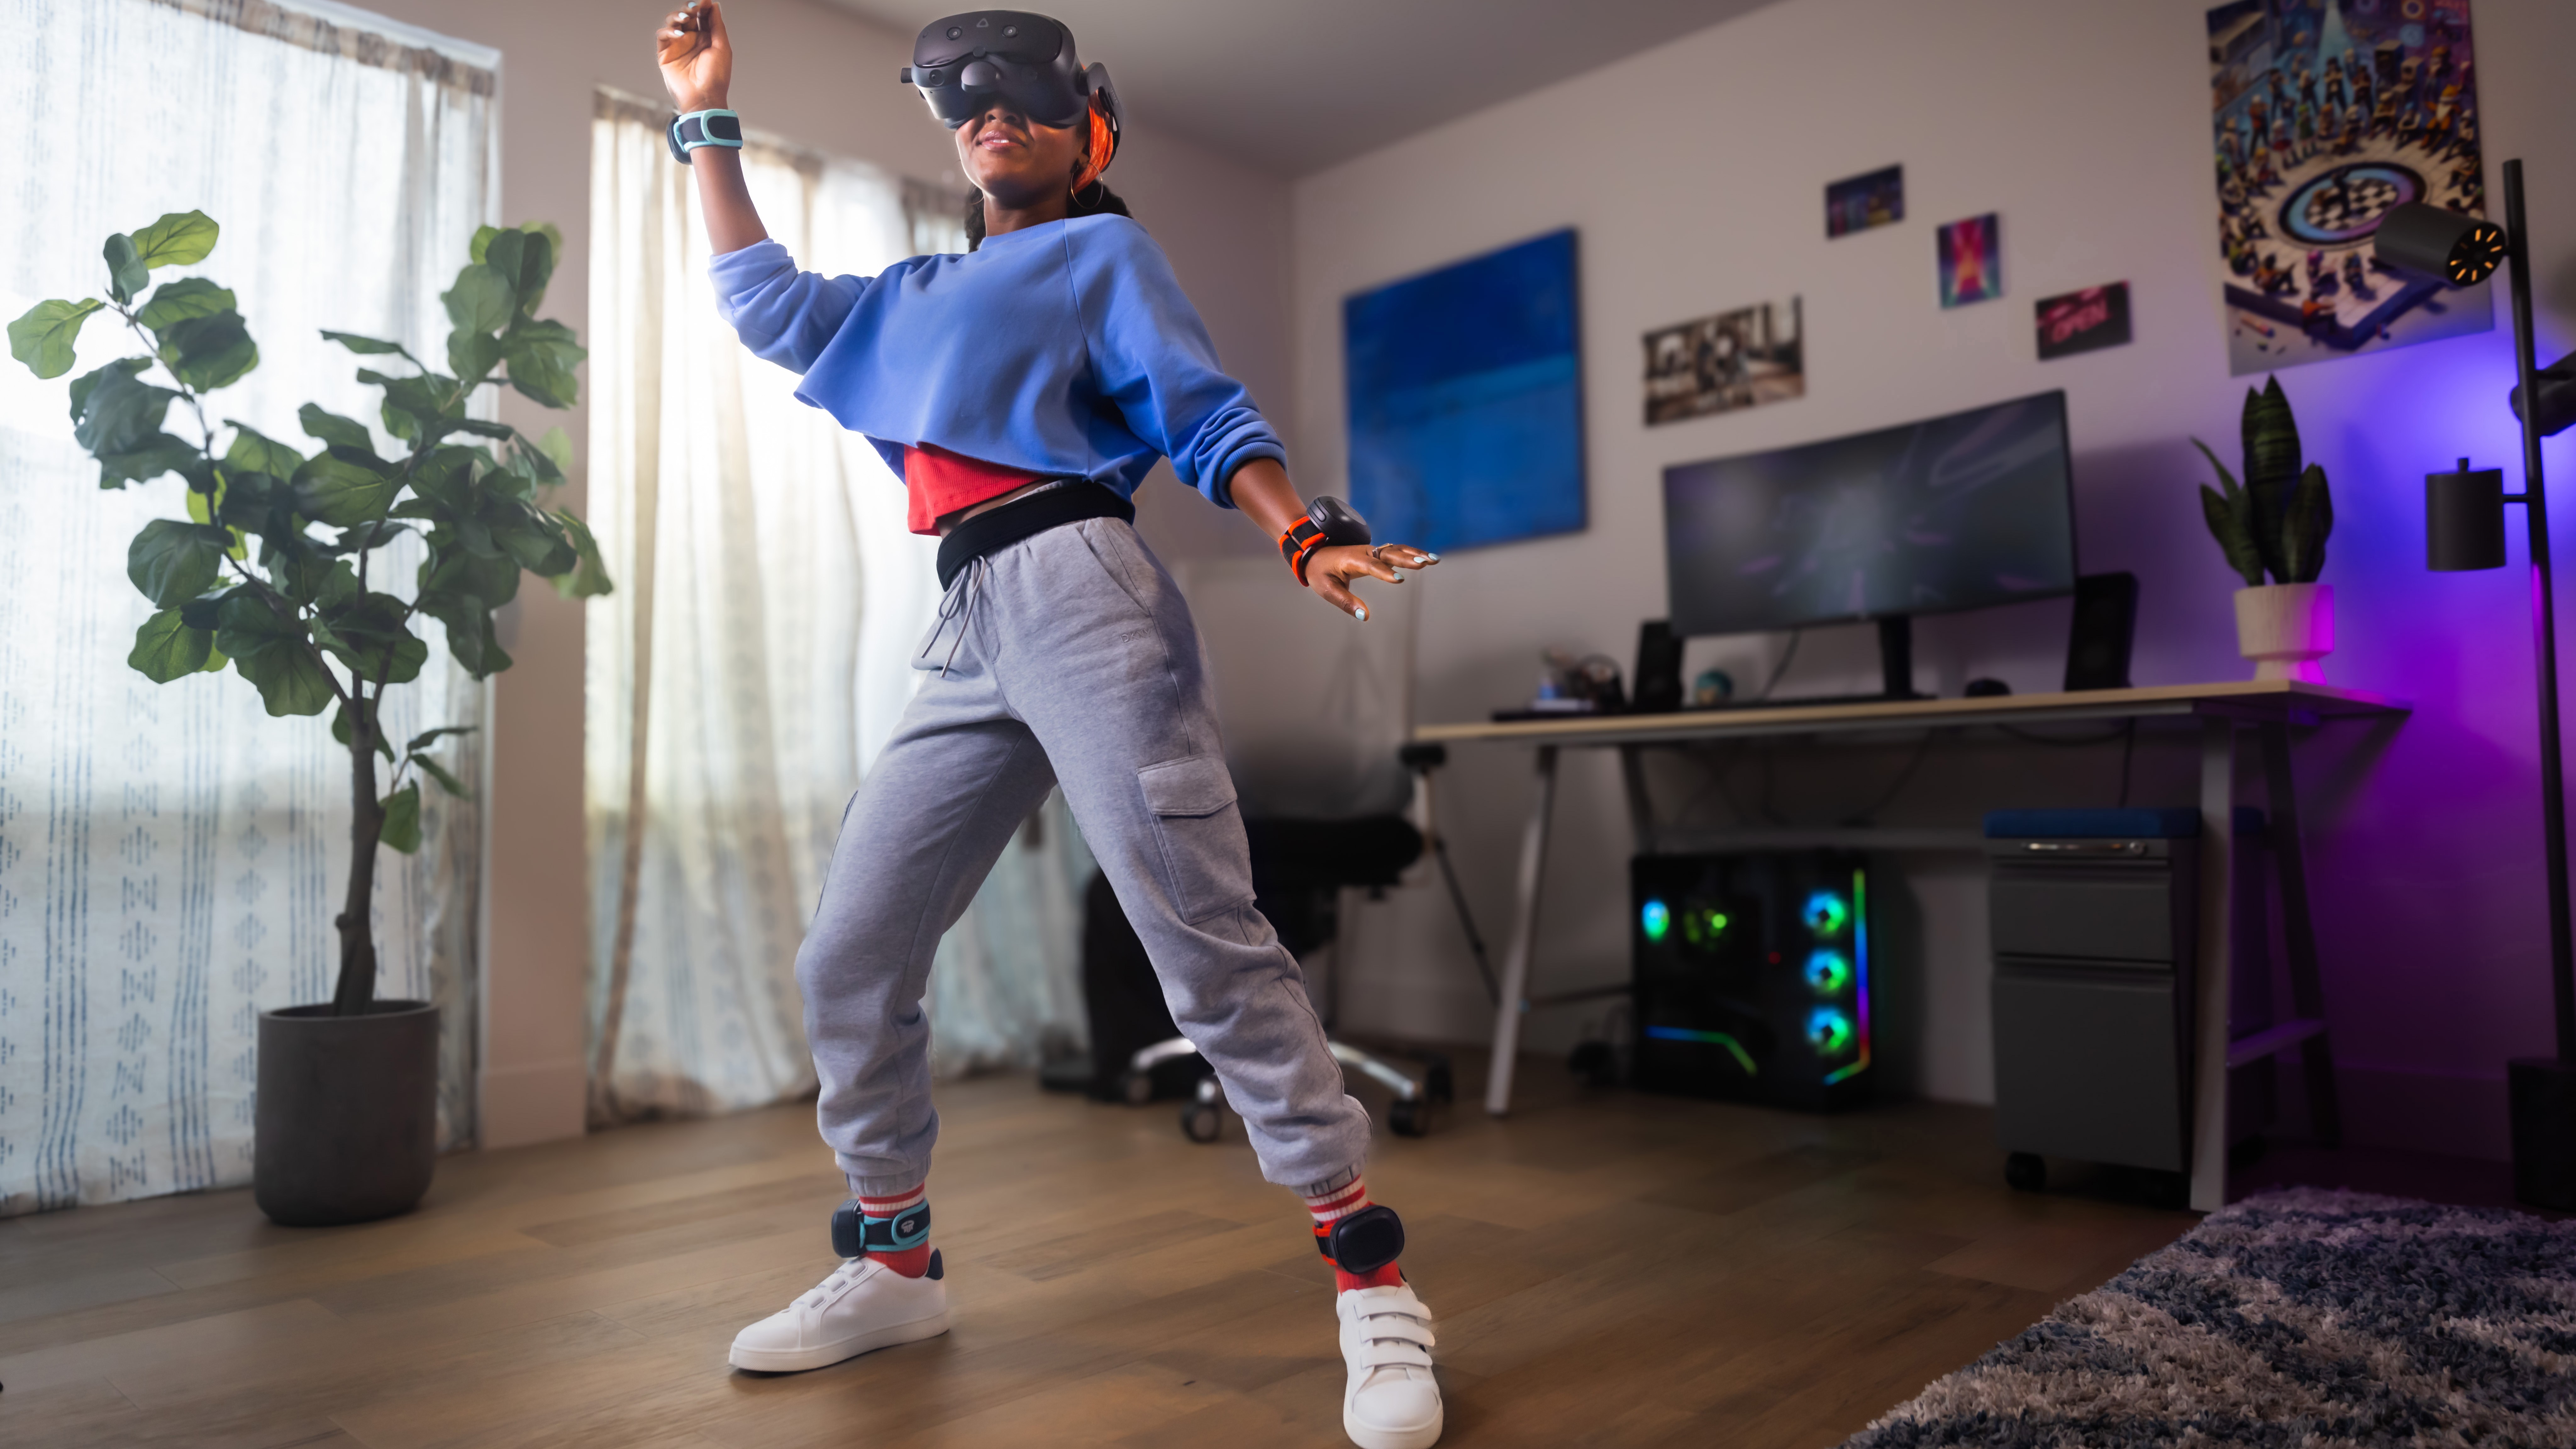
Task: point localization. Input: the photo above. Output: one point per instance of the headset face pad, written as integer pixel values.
(962, 63)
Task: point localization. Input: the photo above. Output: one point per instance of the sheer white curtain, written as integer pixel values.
(758, 646)
(170, 856)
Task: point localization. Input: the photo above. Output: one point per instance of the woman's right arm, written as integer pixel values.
(697, 64)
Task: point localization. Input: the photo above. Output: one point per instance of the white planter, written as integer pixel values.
(2285, 629)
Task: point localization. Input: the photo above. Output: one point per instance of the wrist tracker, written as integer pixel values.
(703, 128)
(1327, 521)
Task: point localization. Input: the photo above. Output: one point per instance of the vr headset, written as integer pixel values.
(962, 63)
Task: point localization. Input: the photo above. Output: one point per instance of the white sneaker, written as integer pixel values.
(1392, 1401)
(863, 1305)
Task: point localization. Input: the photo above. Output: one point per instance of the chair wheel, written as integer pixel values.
(1439, 1084)
(1202, 1121)
(1407, 1119)
(2027, 1172)
(1137, 1088)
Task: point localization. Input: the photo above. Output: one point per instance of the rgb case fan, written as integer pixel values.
(1752, 976)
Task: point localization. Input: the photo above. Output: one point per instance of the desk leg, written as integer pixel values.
(1516, 964)
(1641, 808)
(2210, 984)
(2298, 930)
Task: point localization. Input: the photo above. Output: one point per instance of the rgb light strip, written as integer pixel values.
(1860, 964)
(1743, 1058)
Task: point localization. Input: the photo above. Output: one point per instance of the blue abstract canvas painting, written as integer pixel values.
(1466, 399)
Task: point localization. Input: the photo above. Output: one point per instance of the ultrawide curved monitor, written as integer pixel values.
(1957, 512)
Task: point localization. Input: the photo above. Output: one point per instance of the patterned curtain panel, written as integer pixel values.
(170, 856)
(755, 655)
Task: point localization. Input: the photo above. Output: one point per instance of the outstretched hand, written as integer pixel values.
(696, 56)
(1331, 569)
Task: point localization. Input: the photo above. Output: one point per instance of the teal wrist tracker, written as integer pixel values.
(703, 128)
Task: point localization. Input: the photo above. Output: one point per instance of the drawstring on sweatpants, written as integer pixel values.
(957, 604)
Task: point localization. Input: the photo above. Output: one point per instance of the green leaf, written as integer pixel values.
(42, 338)
(482, 242)
(527, 258)
(469, 629)
(402, 819)
(209, 352)
(557, 446)
(482, 299)
(179, 300)
(426, 738)
(537, 541)
(589, 578)
(148, 459)
(2304, 529)
(113, 411)
(368, 346)
(446, 781)
(256, 452)
(366, 632)
(126, 272)
(309, 576)
(334, 429)
(165, 648)
(340, 731)
(482, 429)
(331, 489)
(473, 355)
(542, 356)
(271, 652)
(415, 405)
(172, 562)
(177, 239)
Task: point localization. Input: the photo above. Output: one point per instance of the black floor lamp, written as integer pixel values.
(2464, 528)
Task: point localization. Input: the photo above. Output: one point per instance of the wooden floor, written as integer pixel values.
(1607, 1269)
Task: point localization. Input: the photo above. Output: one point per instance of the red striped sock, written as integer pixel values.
(1331, 1207)
(910, 1262)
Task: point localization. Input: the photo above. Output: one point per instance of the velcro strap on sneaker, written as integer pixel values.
(1367, 1240)
(1390, 1353)
(854, 1233)
(1390, 1327)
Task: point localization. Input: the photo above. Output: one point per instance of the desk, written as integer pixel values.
(2270, 705)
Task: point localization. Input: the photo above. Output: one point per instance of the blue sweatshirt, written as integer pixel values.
(1065, 349)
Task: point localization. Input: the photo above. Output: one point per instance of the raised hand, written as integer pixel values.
(696, 56)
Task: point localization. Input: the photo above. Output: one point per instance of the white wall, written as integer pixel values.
(1695, 174)
(825, 78)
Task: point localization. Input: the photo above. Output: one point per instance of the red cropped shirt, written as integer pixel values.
(941, 482)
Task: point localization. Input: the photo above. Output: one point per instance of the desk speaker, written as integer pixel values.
(1752, 977)
(2106, 624)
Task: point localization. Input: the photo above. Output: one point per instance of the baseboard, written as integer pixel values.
(540, 1103)
(2455, 1116)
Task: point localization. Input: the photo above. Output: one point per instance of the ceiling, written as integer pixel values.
(1294, 86)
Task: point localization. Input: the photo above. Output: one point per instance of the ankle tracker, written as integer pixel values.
(1365, 1241)
(855, 1234)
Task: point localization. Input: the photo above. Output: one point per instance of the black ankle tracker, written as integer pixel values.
(1365, 1241)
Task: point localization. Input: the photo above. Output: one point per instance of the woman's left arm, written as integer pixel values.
(1261, 489)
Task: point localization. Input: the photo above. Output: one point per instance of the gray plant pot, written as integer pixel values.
(347, 1122)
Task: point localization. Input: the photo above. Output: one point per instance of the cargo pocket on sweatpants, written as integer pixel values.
(1207, 866)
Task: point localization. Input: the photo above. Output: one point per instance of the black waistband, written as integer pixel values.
(1026, 518)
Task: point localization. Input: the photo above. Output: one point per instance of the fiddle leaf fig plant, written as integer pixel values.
(2276, 522)
(279, 568)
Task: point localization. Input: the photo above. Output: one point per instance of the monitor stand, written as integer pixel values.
(1895, 668)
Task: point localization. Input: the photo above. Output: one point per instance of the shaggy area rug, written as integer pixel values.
(2294, 1318)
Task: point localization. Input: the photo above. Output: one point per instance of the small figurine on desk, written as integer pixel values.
(1712, 688)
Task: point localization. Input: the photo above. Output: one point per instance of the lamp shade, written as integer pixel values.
(2464, 519)
(2461, 250)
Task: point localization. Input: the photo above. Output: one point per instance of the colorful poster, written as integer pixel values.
(2326, 114)
(2085, 321)
(1740, 359)
(1972, 260)
(1858, 203)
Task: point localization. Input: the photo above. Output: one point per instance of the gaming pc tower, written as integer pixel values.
(1752, 977)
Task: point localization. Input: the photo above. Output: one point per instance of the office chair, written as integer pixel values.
(1317, 713)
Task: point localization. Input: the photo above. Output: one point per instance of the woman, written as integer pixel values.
(1024, 390)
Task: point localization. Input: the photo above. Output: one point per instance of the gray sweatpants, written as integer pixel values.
(1068, 658)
